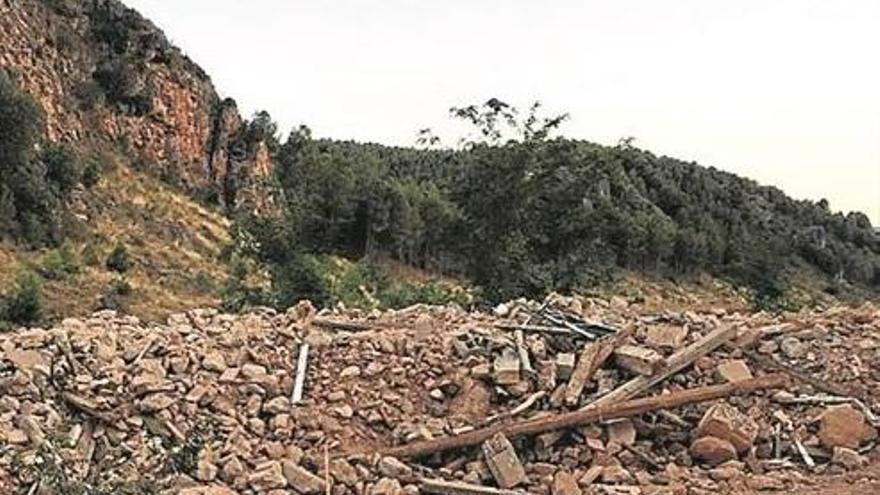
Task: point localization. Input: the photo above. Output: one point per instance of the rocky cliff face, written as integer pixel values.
(105, 75)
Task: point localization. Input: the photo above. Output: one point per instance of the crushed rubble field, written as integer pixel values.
(569, 396)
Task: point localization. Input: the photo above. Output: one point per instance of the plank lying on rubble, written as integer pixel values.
(674, 363)
(441, 487)
(591, 359)
(587, 416)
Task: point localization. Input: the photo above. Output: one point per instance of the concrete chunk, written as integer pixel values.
(267, 476)
(343, 472)
(638, 360)
(503, 462)
(564, 483)
(622, 432)
(507, 368)
(564, 365)
(387, 486)
(393, 468)
(666, 336)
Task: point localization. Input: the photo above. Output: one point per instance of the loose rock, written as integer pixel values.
(844, 426)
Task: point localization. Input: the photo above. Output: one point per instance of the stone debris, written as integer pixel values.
(267, 476)
(393, 468)
(666, 336)
(564, 483)
(844, 426)
(503, 463)
(725, 422)
(621, 432)
(564, 365)
(734, 370)
(386, 486)
(713, 450)
(506, 369)
(301, 479)
(638, 360)
(848, 458)
(202, 404)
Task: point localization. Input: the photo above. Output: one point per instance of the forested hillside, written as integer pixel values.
(119, 160)
(519, 213)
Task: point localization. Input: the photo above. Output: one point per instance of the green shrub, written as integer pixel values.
(92, 172)
(329, 280)
(400, 295)
(301, 278)
(90, 94)
(119, 259)
(58, 264)
(125, 86)
(122, 287)
(62, 167)
(25, 305)
(91, 254)
(33, 186)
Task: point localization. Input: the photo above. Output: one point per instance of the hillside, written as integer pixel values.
(153, 159)
(519, 212)
(174, 242)
(114, 139)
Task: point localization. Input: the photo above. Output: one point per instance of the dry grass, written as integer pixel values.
(174, 243)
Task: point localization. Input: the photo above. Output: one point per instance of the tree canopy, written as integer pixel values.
(519, 212)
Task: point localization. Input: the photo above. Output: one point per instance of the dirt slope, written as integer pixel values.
(174, 243)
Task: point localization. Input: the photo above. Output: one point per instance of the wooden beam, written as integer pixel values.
(675, 363)
(583, 372)
(591, 359)
(586, 416)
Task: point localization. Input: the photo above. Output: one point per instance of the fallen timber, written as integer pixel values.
(588, 415)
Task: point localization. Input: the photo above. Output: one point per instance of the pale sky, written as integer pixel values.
(784, 92)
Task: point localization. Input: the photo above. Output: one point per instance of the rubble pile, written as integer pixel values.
(566, 397)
